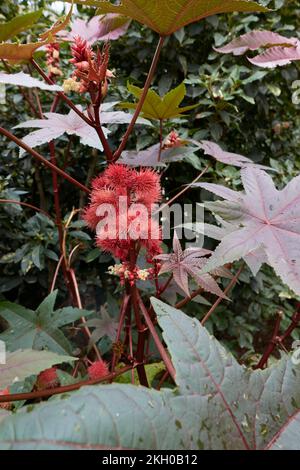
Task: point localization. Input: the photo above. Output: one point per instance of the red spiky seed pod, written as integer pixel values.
(98, 370)
(47, 379)
(5, 405)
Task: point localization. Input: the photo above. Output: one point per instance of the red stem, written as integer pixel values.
(160, 209)
(56, 196)
(165, 286)
(123, 312)
(68, 388)
(279, 339)
(160, 139)
(78, 302)
(43, 160)
(274, 341)
(61, 94)
(142, 333)
(98, 127)
(12, 201)
(185, 301)
(142, 99)
(226, 291)
(164, 355)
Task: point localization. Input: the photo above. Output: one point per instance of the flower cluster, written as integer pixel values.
(91, 69)
(125, 272)
(120, 211)
(52, 60)
(172, 140)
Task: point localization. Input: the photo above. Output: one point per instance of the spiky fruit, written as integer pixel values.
(47, 379)
(5, 405)
(98, 370)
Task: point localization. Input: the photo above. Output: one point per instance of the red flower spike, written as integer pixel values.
(98, 370)
(91, 72)
(81, 51)
(125, 222)
(52, 60)
(47, 379)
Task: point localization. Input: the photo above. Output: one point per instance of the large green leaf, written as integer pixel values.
(288, 437)
(161, 108)
(23, 363)
(218, 404)
(4, 414)
(18, 24)
(38, 329)
(167, 16)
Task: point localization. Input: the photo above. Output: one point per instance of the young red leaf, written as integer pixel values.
(189, 262)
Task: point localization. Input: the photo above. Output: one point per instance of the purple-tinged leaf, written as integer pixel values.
(267, 219)
(100, 28)
(150, 156)
(55, 125)
(255, 40)
(214, 150)
(189, 262)
(255, 259)
(279, 49)
(276, 56)
(23, 79)
(219, 190)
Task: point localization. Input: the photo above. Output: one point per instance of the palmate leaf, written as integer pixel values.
(214, 150)
(189, 262)
(18, 24)
(99, 28)
(263, 218)
(56, 124)
(104, 326)
(23, 363)
(160, 108)
(207, 410)
(16, 52)
(4, 414)
(38, 329)
(167, 16)
(26, 80)
(150, 156)
(279, 50)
